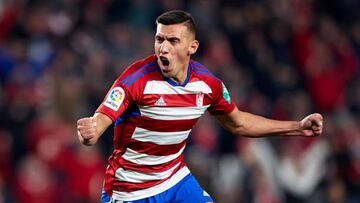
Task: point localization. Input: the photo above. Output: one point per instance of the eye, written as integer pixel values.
(159, 39)
(173, 41)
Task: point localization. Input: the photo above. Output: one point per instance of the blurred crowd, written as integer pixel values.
(282, 59)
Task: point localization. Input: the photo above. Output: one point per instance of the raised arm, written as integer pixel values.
(250, 125)
(89, 129)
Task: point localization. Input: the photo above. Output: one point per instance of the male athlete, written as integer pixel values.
(154, 104)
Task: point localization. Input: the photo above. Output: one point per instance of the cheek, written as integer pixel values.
(182, 53)
(181, 50)
(157, 46)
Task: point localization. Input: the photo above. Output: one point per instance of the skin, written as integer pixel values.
(176, 43)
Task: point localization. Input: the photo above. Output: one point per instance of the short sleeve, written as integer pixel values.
(116, 101)
(221, 103)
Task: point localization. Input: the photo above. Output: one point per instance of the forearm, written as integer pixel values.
(251, 125)
(257, 126)
(102, 123)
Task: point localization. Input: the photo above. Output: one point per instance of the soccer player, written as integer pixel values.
(154, 104)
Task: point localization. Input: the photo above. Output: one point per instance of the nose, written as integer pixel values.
(164, 47)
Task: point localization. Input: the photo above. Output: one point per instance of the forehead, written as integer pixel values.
(176, 30)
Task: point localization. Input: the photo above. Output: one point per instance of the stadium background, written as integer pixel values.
(279, 58)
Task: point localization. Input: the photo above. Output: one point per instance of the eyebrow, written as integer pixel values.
(168, 38)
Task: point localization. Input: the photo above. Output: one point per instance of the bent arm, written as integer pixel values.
(91, 128)
(250, 125)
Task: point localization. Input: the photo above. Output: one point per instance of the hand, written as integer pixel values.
(86, 130)
(312, 125)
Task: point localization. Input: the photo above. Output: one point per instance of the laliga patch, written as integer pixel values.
(226, 93)
(115, 98)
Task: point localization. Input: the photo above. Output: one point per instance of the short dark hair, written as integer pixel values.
(176, 17)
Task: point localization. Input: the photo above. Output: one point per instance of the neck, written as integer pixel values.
(181, 76)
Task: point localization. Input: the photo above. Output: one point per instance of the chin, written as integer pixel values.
(166, 74)
(166, 70)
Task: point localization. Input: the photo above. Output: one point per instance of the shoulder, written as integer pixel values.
(203, 73)
(138, 69)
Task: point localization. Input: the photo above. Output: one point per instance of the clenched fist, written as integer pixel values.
(90, 129)
(86, 130)
(312, 125)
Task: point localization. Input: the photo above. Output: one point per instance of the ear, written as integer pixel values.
(194, 45)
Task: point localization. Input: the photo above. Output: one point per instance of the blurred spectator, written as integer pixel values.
(83, 170)
(35, 181)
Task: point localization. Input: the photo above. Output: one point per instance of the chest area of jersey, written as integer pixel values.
(162, 94)
(162, 101)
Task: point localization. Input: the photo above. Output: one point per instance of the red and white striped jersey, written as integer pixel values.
(153, 117)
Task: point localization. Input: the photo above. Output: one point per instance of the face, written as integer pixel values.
(173, 46)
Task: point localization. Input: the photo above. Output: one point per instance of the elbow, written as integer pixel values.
(243, 132)
(238, 131)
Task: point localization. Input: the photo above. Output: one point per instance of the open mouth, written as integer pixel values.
(164, 61)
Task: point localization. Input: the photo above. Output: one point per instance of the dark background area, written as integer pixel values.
(282, 59)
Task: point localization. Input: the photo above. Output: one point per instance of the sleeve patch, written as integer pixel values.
(226, 93)
(115, 98)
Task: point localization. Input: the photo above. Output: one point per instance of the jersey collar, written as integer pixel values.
(173, 83)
